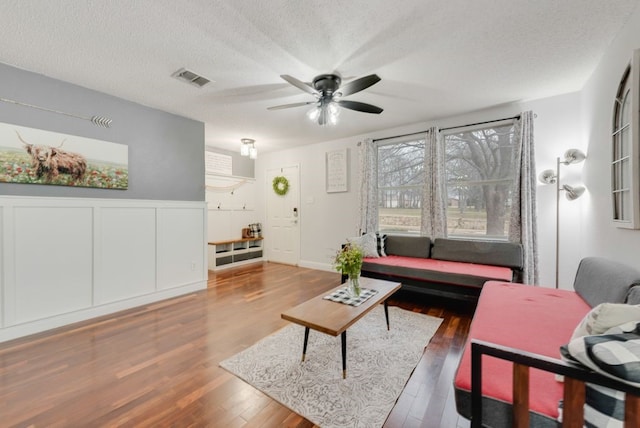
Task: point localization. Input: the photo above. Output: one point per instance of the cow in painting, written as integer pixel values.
(49, 162)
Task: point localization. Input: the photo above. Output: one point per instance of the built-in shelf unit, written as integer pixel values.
(234, 252)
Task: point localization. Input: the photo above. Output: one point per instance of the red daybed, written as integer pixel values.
(445, 267)
(536, 320)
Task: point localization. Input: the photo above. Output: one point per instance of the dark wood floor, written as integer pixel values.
(157, 365)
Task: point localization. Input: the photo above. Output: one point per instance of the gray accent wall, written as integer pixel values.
(166, 151)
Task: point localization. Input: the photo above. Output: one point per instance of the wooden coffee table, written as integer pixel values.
(335, 318)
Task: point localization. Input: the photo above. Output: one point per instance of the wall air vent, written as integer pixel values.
(191, 77)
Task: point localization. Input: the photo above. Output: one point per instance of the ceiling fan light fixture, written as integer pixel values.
(314, 113)
(333, 112)
(324, 114)
(333, 109)
(328, 92)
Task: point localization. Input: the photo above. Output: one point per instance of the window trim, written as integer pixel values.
(631, 75)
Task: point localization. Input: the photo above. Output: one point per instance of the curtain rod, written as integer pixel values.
(398, 136)
(480, 123)
(445, 129)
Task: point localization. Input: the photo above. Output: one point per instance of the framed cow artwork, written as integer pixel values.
(36, 156)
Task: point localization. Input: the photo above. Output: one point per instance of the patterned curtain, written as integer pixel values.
(523, 226)
(434, 219)
(368, 187)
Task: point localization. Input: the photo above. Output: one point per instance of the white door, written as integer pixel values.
(283, 218)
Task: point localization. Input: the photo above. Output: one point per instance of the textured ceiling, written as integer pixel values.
(436, 58)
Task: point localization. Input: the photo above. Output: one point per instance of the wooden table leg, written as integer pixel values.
(386, 313)
(343, 338)
(306, 339)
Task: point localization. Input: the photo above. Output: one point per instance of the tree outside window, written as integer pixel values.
(479, 164)
(480, 176)
(400, 182)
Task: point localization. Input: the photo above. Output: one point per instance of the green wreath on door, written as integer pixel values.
(280, 185)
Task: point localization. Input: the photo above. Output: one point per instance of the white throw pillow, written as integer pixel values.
(369, 244)
(604, 316)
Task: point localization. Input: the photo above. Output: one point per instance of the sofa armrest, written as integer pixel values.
(574, 387)
(599, 280)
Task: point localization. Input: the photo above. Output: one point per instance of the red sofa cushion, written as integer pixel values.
(473, 269)
(530, 318)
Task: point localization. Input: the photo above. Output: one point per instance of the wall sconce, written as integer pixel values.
(572, 193)
(248, 148)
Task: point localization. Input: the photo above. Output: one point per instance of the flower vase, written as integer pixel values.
(353, 285)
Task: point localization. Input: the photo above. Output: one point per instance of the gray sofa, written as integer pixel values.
(458, 279)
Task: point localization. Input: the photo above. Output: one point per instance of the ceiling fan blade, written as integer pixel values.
(359, 84)
(300, 84)
(358, 106)
(291, 105)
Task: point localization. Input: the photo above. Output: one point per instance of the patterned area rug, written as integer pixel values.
(379, 363)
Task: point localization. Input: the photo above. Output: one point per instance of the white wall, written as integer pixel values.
(558, 128)
(599, 236)
(327, 219)
(64, 260)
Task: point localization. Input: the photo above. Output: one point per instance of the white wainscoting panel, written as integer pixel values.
(53, 261)
(64, 260)
(125, 253)
(181, 257)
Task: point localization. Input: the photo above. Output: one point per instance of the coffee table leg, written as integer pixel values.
(343, 338)
(386, 313)
(306, 339)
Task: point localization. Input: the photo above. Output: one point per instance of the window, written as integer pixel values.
(480, 167)
(400, 181)
(624, 168)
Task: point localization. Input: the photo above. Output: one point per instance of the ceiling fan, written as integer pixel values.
(328, 92)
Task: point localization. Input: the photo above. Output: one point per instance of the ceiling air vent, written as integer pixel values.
(191, 77)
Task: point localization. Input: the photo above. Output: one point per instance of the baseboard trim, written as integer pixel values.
(318, 266)
(50, 323)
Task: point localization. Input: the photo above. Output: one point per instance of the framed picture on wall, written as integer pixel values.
(37, 156)
(337, 171)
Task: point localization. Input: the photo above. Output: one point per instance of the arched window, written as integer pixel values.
(624, 166)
